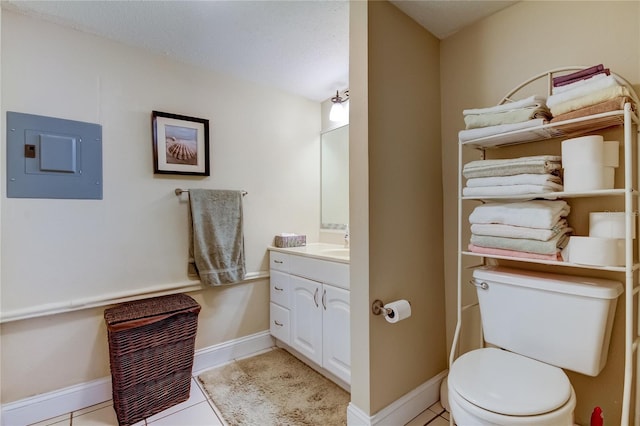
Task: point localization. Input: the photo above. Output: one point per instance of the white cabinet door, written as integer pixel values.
(306, 317)
(336, 332)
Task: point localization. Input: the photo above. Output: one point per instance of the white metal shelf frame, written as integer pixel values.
(626, 118)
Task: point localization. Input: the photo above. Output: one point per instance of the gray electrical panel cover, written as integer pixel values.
(53, 158)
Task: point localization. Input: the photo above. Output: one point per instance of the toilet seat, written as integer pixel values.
(466, 414)
(509, 384)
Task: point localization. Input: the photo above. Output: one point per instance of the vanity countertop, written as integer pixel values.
(325, 251)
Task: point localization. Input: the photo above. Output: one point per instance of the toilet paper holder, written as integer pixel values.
(378, 308)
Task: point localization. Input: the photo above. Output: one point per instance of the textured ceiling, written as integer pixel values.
(444, 17)
(301, 47)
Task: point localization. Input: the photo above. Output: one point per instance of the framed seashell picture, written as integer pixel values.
(180, 144)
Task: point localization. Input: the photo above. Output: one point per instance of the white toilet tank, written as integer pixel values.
(562, 320)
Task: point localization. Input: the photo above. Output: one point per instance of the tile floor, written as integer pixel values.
(436, 415)
(198, 410)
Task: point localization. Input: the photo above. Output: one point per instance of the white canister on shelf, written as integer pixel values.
(609, 225)
(588, 177)
(582, 151)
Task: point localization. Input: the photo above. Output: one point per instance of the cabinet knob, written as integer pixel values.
(277, 323)
(324, 299)
(278, 261)
(315, 298)
(277, 288)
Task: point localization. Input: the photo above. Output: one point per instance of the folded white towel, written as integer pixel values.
(482, 132)
(543, 214)
(534, 101)
(571, 86)
(539, 164)
(590, 99)
(474, 121)
(506, 190)
(582, 90)
(551, 246)
(509, 231)
(520, 179)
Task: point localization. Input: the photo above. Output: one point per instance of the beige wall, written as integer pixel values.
(136, 237)
(401, 198)
(50, 353)
(393, 175)
(480, 64)
(358, 205)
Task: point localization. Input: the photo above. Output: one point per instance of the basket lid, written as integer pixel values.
(145, 308)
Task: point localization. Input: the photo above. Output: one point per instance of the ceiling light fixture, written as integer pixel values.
(338, 111)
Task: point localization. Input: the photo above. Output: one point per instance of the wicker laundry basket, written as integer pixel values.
(151, 347)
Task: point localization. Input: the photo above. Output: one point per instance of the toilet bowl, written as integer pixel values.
(544, 323)
(491, 386)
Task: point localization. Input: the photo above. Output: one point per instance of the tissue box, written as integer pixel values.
(290, 240)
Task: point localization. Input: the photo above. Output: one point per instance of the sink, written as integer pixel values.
(328, 251)
(336, 252)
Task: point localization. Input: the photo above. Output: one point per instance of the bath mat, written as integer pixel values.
(275, 388)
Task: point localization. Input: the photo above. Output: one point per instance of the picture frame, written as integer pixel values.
(180, 144)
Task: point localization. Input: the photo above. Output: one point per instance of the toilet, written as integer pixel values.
(535, 324)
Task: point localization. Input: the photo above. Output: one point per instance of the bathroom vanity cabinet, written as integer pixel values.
(546, 139)
(309, 304)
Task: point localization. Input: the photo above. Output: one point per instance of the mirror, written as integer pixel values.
(334, 179)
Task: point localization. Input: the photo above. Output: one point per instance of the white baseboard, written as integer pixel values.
(401, 411)
(56, 403)
(222, 353)
(62, 401)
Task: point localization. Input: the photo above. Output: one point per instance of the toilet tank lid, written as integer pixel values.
(570, 284)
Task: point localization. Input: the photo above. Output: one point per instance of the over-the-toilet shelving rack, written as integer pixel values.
(629, 120)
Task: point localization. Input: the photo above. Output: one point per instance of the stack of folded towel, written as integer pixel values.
(535, 229)
(590, 91)
(483, 122)
(516, 176)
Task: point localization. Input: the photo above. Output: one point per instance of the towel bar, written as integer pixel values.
(179, 192)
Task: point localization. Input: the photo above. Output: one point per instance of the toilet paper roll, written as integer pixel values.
(609, 225)
(596, 251)
(400, 309)
(583, 150)
(588, 177)
(610, 154)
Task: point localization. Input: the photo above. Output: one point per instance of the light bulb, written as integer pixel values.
(338, 112)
